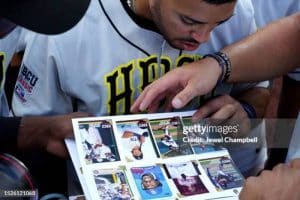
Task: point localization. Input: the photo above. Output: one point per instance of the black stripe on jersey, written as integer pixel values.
(1, 68)
(119, 33)
(141, 21)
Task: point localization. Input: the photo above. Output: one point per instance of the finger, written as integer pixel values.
(135, 106)
(58, 148)
(225, 112)
(295, 163)
(153, 107)
(281, 167)
(250, 189)
(210, 107)
(157, 89)
(185, 96)
(168, 103)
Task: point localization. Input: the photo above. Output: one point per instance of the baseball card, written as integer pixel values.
(112, 184)
(151, 182)
(98, 141)
(223, 173)
(167, 135)
(136, 140)
(186, 178)
(197, 137)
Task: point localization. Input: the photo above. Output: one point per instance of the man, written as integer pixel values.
(49, 17)
(110, 78)
(245, 56)
(289, 101)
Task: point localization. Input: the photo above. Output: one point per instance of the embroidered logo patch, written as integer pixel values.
(25, 83)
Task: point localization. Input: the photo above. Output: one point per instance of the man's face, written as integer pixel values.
(186, 24)
(136, 151)
(148, 182)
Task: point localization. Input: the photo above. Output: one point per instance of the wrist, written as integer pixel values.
(224, 65)
(218, 71)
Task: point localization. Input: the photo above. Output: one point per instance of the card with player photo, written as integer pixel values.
(167, 133)
(98, 141)
(222, 172)
(186, 178)
(112, 184)
(136, 140)
(151, 182)
(195, 135)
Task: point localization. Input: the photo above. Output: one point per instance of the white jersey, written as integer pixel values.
(267, 11)
(103, 63)
(12, 43)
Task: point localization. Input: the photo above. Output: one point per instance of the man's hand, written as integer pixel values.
(183, 83)
(221, 107)
(47, 133)
(225, 110)
(281, 183)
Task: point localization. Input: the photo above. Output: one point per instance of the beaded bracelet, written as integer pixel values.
(224, 63)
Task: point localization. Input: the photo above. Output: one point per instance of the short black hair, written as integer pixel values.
(140, 157)
(219, 1)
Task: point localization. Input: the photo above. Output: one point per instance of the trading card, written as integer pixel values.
(185, 176)
(98, 141)
(112, 184)
(222, 172)
(151, 182)
(167, 134)
(137, 142)
(197, 135)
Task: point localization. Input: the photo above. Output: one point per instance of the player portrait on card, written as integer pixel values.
(186, 178)
(137, 142)
(197, 137)
(112, 184)
(151, 182)
(167, 135)
(222, 172)
(98, 141)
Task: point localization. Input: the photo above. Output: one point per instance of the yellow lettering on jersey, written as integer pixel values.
(2, 72)
(122, 84)
(120, 89)
(149, 70)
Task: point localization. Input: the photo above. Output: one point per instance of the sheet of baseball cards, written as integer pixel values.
(150, 156)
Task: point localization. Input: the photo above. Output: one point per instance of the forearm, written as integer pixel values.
(47, 133)
(270, 52)
(9, 127)
(33, 133)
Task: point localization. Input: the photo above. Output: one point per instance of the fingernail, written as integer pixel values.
(176, 103)
(142, 107)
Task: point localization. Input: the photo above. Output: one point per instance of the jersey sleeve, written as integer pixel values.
(37, 90)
